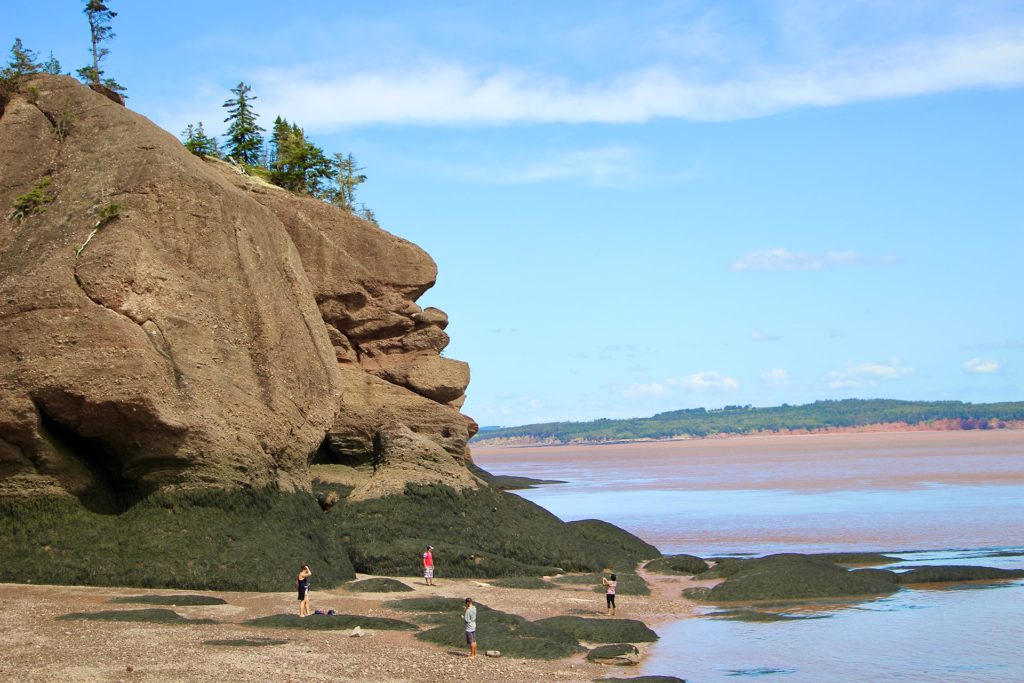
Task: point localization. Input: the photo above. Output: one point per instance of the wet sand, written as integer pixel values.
(34, 646)
(835, 461)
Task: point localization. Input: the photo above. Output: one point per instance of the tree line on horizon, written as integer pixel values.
(820, 415)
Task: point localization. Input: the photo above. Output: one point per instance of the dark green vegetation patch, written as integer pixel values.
(950, 573)
(173, 600)
(856, 559)
(602, 630)
(513, 635)
(529, 582)
(677, 564)
(747, 419)
(482, 533)
(605, 533)
(507, 482)
(245, 642)
(378, 585)
(336, 622)
(626, 583)
(612, 651)
(759, 615)
(794, 577)
(199, 540)
(150, 616)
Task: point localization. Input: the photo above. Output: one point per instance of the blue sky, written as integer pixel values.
(639, 207)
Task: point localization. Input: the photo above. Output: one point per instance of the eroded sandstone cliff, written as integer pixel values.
(215, 331)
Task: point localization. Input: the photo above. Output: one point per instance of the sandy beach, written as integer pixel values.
(35, 646)
(839, 460)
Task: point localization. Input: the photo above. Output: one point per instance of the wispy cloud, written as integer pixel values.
(776, 378)
(867, 374)
(981, 366)
(759, 336)
(781, 258)
(446, 92)
(698, 382)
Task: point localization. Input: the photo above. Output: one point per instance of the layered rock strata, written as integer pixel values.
(166, 322)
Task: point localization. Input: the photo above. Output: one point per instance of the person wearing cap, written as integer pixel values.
(469, 617)
(428, 565)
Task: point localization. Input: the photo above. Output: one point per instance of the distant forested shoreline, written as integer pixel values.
(813, 417)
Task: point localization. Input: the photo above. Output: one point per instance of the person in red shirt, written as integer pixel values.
(428, 565)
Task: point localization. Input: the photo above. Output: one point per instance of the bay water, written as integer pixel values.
(926, 498)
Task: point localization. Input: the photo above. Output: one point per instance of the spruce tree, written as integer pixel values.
(244, 141)
(198, 142)
(51, 65)
(99, 16)
(347, 178)
(23, 62)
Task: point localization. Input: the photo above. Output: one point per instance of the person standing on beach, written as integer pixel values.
(303, 583)
(428, 565)
(609, 596)
(469, 618)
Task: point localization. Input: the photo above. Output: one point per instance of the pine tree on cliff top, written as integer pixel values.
(23, 62)
(99, 16)
(244, 141)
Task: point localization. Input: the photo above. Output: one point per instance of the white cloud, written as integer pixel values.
(446, 92)
(698, 382)
(777, 377)
(759, 336)
(981, 366)
(867, 374)
(781, 258)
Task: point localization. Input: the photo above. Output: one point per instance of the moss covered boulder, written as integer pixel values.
(606, 534)
(956, 573)
(602, 630)
(795, 577)
(483, 532)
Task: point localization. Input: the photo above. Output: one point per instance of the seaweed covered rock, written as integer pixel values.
(956, 573)
(197, 540)
(677, 564)
(479, 532)
(794, 577)
(511, 634)
(618, 654)
(378, 585)
(608, 534)
(602, 630)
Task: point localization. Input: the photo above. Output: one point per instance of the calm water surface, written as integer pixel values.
(936, 501)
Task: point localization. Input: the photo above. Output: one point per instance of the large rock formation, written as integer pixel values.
(215, 331)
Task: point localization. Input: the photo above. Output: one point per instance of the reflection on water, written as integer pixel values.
(913, 635)
(967, 632)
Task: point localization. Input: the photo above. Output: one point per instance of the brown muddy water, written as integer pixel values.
(928, 497)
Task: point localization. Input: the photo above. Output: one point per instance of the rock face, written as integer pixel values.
(214, 331)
